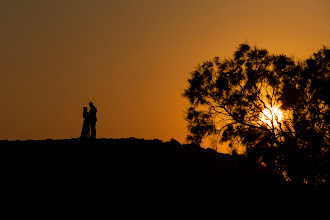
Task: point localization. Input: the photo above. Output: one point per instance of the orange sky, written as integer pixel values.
(131, 58)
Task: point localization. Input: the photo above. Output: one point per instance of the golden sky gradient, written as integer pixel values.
(131, 58)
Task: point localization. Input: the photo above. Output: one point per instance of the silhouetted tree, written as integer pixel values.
(273, 107)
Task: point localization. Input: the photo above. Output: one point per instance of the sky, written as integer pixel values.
(131, 58)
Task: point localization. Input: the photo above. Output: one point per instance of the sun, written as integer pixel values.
(271, 116)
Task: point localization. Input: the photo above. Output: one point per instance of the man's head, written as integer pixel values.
(91, 104)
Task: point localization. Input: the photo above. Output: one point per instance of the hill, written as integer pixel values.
(128, 169)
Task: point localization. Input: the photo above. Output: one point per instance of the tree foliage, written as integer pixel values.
(235, 99)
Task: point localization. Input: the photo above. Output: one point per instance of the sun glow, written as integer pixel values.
(271, 116)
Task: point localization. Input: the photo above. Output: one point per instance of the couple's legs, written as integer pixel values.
(93, 130)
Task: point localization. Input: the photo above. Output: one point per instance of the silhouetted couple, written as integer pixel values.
(88, 129)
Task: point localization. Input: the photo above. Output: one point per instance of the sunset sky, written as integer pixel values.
(131, 58)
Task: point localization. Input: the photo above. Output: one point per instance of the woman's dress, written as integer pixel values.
(85, 132)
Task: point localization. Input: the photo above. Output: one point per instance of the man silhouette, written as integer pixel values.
(92, 119)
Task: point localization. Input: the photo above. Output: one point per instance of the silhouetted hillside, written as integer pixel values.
(128, 176)
(131, 170)
(128, 168)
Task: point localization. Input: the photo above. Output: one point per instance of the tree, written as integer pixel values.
(272, 106)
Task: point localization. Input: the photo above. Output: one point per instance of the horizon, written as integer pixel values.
(131, 59)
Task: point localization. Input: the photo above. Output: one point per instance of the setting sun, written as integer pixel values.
(271, 116)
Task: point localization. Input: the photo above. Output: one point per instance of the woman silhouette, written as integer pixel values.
(85, 132)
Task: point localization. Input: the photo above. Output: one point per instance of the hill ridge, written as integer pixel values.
(128, 167)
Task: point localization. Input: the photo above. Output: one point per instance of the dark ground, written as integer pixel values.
(130, 170)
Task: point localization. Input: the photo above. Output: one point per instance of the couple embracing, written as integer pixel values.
(90, 119)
